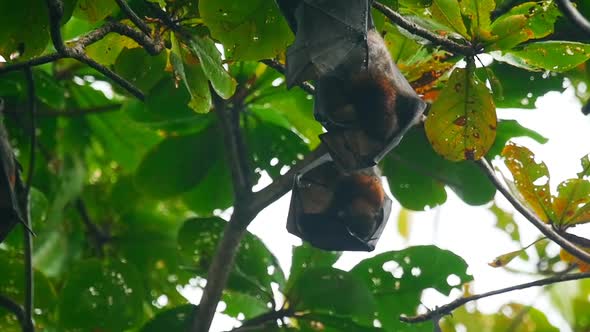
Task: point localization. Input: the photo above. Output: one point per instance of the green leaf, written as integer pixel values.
(251, 30)
(571, 301)
(505, 222)
(477, 13)
(530, 20)
(397, 279)
(107, 50)
(48, 90)
(24, 28)
(194, 80)
(508, 129)
(12, 285)
(177, 164)
(558, 56)
(255, 266)
(521, 88)
(94, 10)
(531, 179)
(272, 144)
(447, 12)
(306, 256)
(311, 322)
(140, 68)
(204, 48)
(461, 124)
(294, 105)
(334, 293)
(166, 108)
(101, 295)
(417, 175)
(176, 319)
(215, 192)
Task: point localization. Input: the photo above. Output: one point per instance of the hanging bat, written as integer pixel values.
(362, 99)
(334, 210)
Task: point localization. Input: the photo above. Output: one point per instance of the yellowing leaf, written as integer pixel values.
(461, 124)
(403, 223)
(531, 179)
(572, 204)
(503, 260)
(569, 258)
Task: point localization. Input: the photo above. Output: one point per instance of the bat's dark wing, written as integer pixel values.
(330, 34)
(288, 8)
(10, 184)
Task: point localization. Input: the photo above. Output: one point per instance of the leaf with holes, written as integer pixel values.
(255, 266)
(326, 290)
(558, 56)
(306, 256)
(531, 180)
(572, 203)
(530, 20)
(461, 124)
(249, 30)
(505, 222)
(397, 279)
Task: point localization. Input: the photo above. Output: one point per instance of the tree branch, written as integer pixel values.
(546, 229)
(283, 184)
(220, 268)
(445, 42)
(18, 311)
(235, 148)
(100, 237)
(574, 15)
(274, 64)
(4, 68)
(255, 323)
(133, 17)
(448, 308)
(28, 240)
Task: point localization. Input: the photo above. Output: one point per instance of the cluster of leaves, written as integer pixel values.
(123, 197)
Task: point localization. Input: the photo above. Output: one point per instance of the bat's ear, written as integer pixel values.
(312, 219)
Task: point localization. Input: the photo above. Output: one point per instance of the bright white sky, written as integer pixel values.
(467, 231)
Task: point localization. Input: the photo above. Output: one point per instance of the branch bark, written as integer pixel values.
(448, 44)
(574, 15)
(448, 308)
(18, 311)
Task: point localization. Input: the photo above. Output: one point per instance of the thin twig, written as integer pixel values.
(445, 42)
(448, 308)
(133, 17)
(574, 15)
(28, 238)
(546, 229)
(274, 64)
(262, 320)
(112, 75)
(17, 310)
(4, 68)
